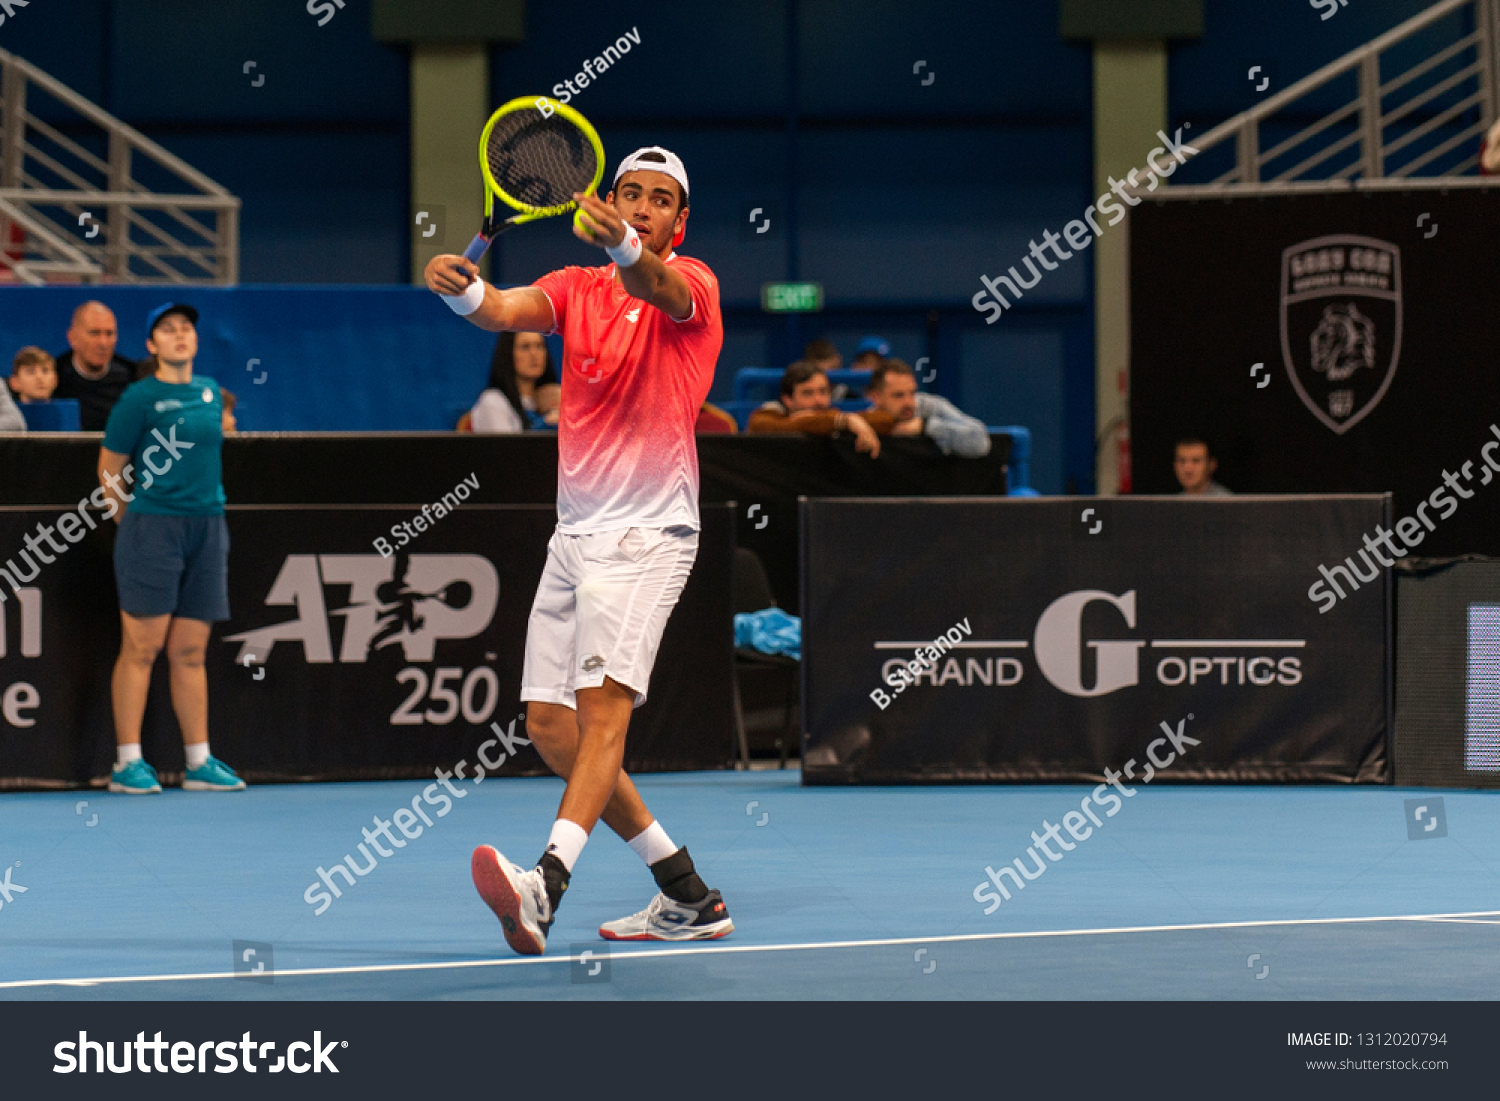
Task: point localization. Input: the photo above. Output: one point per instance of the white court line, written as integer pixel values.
(1458, 921)
(670, 953)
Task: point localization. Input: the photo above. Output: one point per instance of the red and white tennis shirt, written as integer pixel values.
(633, 380)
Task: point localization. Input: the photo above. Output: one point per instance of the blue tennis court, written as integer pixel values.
(837, 893)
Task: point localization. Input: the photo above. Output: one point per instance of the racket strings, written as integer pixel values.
(540, 162)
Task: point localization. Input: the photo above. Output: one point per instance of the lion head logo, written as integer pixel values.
(1343, 342)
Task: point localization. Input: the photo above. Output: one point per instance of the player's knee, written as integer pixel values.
(186, 657)
(133, 652)
(550, 731)
(602, 734)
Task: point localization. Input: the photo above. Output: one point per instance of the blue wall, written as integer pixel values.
(894, 194)
(333, 358)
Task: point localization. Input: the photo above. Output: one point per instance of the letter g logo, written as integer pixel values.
(1059, 646)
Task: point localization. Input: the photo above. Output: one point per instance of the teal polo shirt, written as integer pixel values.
(174, 435)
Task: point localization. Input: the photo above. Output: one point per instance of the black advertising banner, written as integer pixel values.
(1325, 343)
(340, 661)
(766, 474)
(1093, 638)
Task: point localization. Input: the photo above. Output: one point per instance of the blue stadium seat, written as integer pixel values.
(50, 416)
(758, 383)
(1018, 477)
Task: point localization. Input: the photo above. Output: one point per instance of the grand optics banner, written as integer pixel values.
(1157, 640)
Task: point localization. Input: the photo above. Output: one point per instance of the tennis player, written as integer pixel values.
(165, 435)
(642, 334)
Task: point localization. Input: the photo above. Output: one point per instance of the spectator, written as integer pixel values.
(33, 375)
(10, 417)
(523, 391)
(871, 352)
(1194, 465)
(231, 426)
(822, 355)
(805, 406)
(165, 435)
(1489, 152)
(90, 372)
(893, 389)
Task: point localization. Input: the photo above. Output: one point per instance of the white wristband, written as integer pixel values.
(627, 251)
(466, 303)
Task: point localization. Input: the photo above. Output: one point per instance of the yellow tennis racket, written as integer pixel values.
(534, 154)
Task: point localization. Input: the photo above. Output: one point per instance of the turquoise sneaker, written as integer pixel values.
(215, 775)
(136, 778)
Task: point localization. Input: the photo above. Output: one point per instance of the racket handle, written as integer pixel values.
(477, 248)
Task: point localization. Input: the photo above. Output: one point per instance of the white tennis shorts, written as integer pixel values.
(600, 610)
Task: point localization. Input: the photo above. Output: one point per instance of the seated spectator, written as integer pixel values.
(10, 417)
(33, 375)
(870, 353)
(231, 425)
(893, 389)
(1194, 465)
(822, 355)
(805, 406)
(90, 372)
(523, 391)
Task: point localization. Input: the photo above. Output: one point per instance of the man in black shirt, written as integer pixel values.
(90, 371)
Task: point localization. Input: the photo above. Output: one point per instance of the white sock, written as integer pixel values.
(652, 844)
(124, 754)
(196, 754)
(566, 842)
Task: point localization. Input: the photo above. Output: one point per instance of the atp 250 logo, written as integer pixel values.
(410, 601)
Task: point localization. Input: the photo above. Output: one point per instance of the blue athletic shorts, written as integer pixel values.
(173, 565)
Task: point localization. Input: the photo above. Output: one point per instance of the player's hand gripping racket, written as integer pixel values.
(534, 162)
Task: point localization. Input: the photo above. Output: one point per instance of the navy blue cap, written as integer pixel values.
(154, 317)
(876, 344)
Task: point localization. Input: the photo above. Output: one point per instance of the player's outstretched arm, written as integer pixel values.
(521, 309)
(649, 278)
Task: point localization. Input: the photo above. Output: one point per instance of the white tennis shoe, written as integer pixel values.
(518, 898)
(666, 919)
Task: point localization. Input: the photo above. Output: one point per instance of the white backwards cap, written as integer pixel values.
(646, 160)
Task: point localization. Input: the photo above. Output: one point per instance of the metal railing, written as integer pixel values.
(1428, 112)
(79, 213)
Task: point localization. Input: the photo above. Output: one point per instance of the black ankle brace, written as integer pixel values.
(678, 879)
(555, 876)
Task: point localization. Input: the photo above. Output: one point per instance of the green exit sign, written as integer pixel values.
(791, 297)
